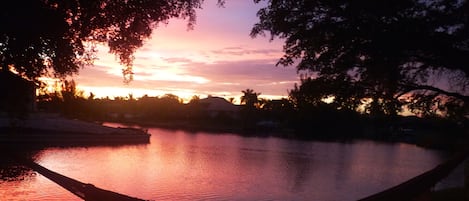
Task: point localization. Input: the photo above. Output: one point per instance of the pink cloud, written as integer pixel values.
(218, 57)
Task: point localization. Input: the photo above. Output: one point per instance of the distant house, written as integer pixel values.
(16, 93)
(216, 106)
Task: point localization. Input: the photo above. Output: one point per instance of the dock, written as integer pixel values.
(87, 192)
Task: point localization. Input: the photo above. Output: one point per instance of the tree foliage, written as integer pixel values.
(58, 37)
(249, 98)
(393, 53)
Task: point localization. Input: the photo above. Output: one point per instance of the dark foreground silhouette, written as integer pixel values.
(419, 187)
(87, 192)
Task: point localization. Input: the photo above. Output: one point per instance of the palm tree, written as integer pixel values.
(249, 98)
(248, 113)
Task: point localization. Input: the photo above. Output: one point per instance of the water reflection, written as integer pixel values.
(10, 172)
(10, 169)
(185, 166)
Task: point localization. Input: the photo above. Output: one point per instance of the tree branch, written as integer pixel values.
(438, 90)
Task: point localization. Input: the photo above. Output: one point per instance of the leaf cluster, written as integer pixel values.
(381, 49)
(58, 37)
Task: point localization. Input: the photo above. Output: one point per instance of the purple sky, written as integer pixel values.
(217, 57)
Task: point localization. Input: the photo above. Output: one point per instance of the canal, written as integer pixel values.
(179, 165)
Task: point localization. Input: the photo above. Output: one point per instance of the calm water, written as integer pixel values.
(177, 165)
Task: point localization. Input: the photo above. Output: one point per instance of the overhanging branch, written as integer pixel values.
(438, 90)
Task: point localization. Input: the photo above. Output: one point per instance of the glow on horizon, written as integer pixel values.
(217, 58)
(185, 96)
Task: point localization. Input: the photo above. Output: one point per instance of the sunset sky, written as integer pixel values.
(217, 57)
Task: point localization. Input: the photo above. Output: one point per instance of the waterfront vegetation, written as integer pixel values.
(371, 61)
(286, 117)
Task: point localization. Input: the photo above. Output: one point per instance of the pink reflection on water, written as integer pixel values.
(177, 165)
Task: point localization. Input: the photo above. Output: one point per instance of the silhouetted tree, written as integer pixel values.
(389, 52)
(280, 111)
(195, 99)
(72, 99)
(57, 37)
(314, 92)
(248, 111)
(195, 109)
(171, 99)
(249, 98)
(91, 96)
(69, 90)
(131, 97)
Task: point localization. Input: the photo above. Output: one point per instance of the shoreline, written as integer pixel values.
(55, 130)
(52, 128)
(429, 140)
